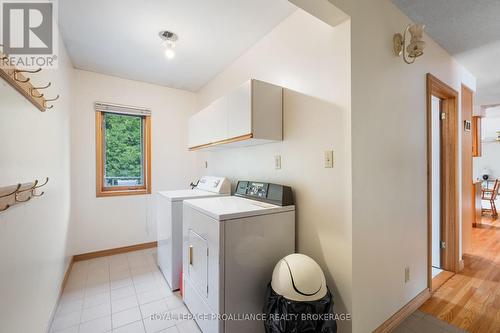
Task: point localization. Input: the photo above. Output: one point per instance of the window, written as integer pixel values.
(123, 153)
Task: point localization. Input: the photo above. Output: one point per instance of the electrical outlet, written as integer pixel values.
(277, 162)
(407, 274)
(328, 158)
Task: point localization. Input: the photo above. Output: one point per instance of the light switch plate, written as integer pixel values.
(277, 162)
(407, 274)
(206, 164)
(328, 158)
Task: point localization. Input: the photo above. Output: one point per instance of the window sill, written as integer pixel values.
(117, 193)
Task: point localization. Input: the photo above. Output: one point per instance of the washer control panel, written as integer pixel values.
(280, 195)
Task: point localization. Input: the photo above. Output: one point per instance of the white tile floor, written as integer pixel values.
(119, 294)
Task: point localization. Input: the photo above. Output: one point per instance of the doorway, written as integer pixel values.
(442, 144)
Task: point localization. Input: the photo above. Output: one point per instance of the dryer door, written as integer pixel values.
(198, 262)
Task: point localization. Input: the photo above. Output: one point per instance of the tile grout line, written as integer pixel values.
(136, 296)
(84, 294)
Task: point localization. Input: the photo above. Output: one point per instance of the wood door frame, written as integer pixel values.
(449, 175)
(468, 189)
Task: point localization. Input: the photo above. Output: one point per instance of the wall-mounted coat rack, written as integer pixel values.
(18, 79)
(15, 194)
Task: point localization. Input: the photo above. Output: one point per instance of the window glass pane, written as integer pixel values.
(123, 150)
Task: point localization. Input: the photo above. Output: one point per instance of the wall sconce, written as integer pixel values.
(416, 47)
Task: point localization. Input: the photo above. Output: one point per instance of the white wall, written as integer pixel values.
(311, 60)
(34, 235)
(490, 156)
(110, 222)
(389, 191)
(490, 159)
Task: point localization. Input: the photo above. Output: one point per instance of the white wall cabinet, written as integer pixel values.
(251, 114)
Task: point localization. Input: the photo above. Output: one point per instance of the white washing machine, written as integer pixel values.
(169, 223)
(231, 245)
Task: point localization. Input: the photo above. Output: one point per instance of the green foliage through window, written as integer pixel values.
(123, 150)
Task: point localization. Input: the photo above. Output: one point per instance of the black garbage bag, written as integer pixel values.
(287, 316)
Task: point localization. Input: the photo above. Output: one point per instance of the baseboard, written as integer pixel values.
(61, 289)
(110, 252)
(396, 319)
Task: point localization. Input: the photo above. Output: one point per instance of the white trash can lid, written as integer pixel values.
(299, 278)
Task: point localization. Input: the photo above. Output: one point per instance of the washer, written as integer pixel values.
(169, 223)
(231, 245)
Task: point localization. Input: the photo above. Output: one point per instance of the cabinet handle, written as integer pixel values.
(191, 254)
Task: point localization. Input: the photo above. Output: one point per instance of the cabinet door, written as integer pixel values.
(218, 120)
(198, 262)
(193, 130)
(204, 126)
(239, 111)
(200, 127)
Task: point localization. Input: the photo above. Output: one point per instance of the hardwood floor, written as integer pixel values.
(471, 299)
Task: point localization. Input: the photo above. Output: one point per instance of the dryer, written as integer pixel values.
(231, 245)
(169, 223)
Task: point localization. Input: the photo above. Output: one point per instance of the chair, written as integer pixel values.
(490, 196)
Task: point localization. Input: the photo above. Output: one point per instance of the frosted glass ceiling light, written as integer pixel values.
(169, 51)
(169, 38)
(416, 46)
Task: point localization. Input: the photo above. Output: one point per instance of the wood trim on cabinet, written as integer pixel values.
(396, 319)
(110, 252)
(221, 142)
(122, 190)
(449, 174)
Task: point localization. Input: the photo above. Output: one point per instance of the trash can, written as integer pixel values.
(298, 299)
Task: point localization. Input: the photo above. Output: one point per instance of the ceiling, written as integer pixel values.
(120, 38)
(470, 31)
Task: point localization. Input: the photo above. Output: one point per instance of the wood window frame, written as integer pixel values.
(450, 260)
(101, 190)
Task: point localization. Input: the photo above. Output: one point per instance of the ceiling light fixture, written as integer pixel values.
(169, 38)
(416, 47)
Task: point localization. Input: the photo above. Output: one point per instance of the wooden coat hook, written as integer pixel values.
(21, 193)
(17, 71)
(33, 190)
(33, 89)
(17, 78)
(49, 100)
(12, 193)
